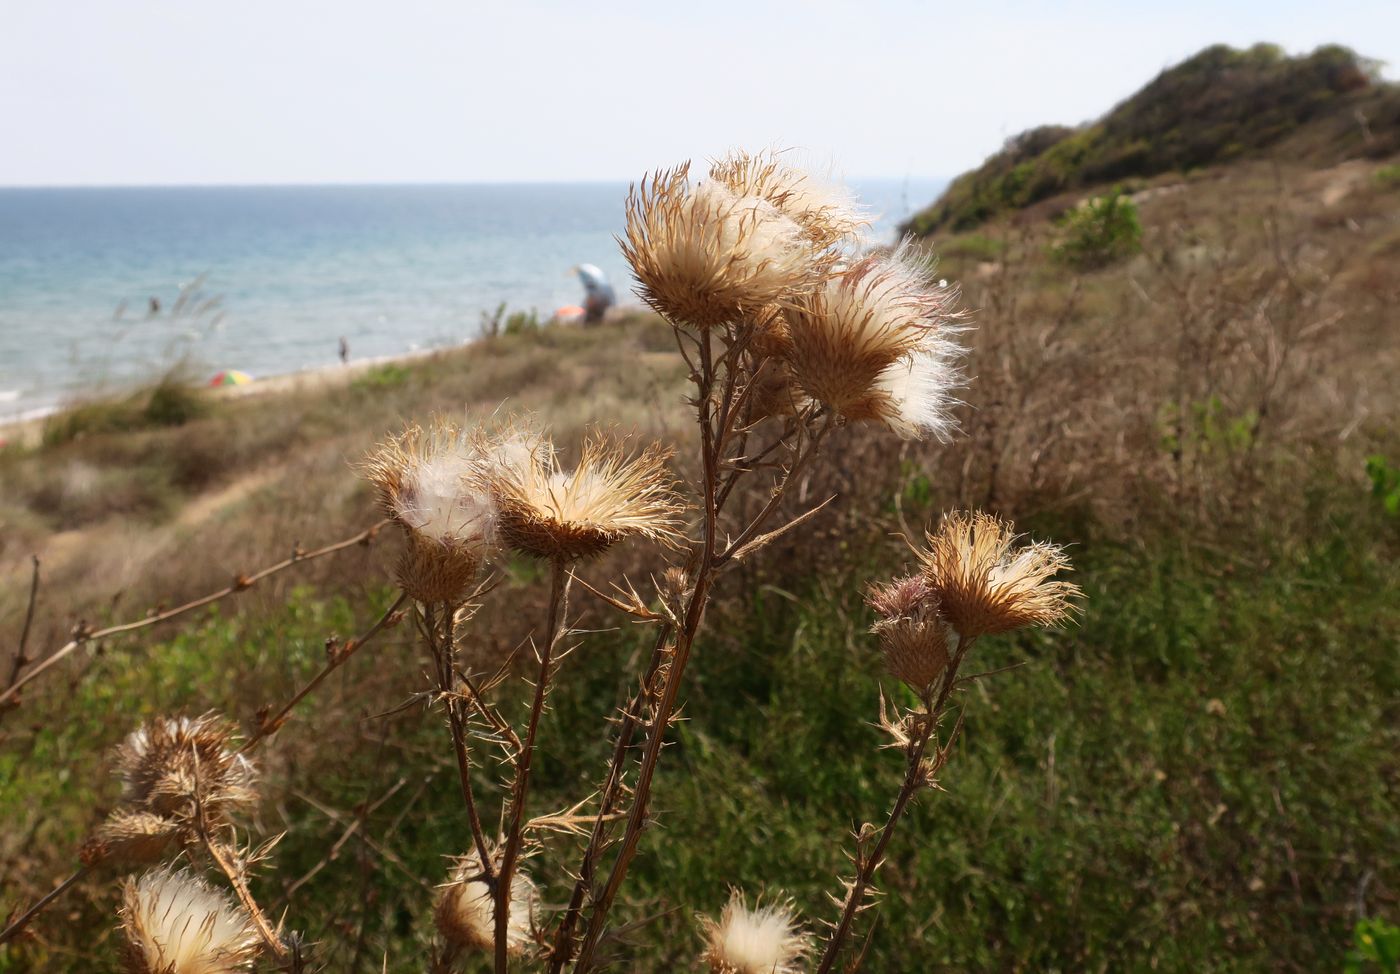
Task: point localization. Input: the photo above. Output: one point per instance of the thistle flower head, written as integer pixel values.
(761, 940)
(466, 911)
(175, 923)
(868, 344)
(426, 482)
(985, 586)
(705, 255)
(827, 213)
(566, 515)
(913, 636)
(169, 763)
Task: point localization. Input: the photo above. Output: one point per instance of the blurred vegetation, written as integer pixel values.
(1220, 105)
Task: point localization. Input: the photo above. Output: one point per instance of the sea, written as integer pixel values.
(101, 288)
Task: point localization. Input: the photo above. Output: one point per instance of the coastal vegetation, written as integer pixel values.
(1190, 387)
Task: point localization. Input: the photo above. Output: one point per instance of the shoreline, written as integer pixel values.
(26, 428)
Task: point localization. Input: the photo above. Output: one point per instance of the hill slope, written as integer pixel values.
(1218, 106)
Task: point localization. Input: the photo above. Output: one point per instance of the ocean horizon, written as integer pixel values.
(104, 287)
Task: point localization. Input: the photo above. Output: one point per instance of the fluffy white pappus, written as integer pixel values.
(919, 391)
(761, 940)
(466, 912)
(176, 923)
(438, 501)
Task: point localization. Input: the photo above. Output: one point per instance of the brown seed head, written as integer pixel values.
(170, 763)
(175, 923)
(828, 214)
(984, 586)
(550, 513)
(762, 940)
(912, 635)
(705, 256)
(466, 911)
(133, 839)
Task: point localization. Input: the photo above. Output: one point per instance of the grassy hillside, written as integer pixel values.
(1219, 106)
(1202, 775)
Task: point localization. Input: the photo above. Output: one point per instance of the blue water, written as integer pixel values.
(389, 268)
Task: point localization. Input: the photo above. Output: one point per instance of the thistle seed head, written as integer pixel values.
(985, 586)
(428, 481)
(175, 923)
(705, 255)
(868, 344)
(827, 213)
(169, 764)
(466, 912)
(567, 515)
(762, 940)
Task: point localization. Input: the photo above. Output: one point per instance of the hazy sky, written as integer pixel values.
(258, 91)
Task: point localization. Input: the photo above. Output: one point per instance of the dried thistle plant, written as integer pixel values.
(764, 939)
(176, 773)
(972, 583)
(176, 923)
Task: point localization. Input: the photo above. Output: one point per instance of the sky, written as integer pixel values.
(369, 91)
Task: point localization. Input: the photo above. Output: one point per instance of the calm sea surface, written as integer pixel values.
(290, 270)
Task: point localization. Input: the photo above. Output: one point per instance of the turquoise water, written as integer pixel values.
(294, 269)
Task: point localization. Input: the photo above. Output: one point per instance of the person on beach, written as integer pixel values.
(344, 351)
(598, 293)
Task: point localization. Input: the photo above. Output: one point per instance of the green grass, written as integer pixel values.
(1199, 776)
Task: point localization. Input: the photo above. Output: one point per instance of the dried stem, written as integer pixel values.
(23, 920)
(717, 424)
(916, 777)
(240, 583)
(515, 834)
(232, 869)
(339, 656)
(442, 637)
(21, 659)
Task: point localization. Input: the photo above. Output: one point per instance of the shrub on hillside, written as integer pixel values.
(1099, 232)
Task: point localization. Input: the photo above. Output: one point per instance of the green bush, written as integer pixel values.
(1099, 232)
(1376, 948)
(1388, 177)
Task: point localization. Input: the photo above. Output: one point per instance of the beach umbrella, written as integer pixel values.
(231, 377)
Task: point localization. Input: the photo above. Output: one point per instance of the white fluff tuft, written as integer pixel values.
(178, 924)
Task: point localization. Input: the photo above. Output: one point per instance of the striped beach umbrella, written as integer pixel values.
(231, 377)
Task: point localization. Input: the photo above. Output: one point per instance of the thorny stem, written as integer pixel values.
(22, 921)
(234, 873)
(338, 658)
(444, 645)
(915, 778)
(239, 584)
(563, 940)
(558, 597)
(714, 433)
